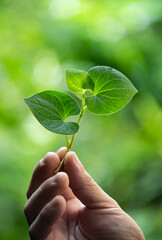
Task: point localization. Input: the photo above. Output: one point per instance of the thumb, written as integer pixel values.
(83, 186)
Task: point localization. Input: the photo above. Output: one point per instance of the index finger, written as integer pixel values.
(43, 170)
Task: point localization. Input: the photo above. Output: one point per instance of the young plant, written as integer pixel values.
(102, 90)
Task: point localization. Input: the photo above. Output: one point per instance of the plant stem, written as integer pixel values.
(67, 140)
(80, 117)
(69, 146)
(61, 163)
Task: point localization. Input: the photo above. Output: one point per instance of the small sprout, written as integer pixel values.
(103, 90)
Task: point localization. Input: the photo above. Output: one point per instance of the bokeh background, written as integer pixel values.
(122, 152)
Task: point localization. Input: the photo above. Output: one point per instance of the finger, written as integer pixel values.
(83, 186)
(61, 152)
(68, 194)
(43, 170)
(52, 187)
(44, 223)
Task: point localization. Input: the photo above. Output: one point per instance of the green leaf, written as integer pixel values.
(51, 108)
(112, 90)
(79, 81)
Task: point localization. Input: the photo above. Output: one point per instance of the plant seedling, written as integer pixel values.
(102, 90)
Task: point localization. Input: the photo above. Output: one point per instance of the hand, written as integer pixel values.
(71, 206)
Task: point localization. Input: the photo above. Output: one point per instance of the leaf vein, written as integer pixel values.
(61, 105)
(50, 110)
(113, 89)
(111, 80)
(104, 103)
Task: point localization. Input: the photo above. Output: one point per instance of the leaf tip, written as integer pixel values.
(25, 100)
(135, 90)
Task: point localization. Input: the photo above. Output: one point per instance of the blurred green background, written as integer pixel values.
(122, 152)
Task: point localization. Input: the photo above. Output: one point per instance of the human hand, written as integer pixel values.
(71, 206)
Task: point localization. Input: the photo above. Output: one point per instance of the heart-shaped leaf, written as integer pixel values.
(79, 81)
(112, 90)
(51, 108)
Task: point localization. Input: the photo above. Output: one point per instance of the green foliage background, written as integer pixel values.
(123, 152)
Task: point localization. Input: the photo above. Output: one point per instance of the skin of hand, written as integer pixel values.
(71, 206)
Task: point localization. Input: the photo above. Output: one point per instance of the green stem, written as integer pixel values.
(83, 109)
(67, 141)
(69, 146)
(61, 163)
